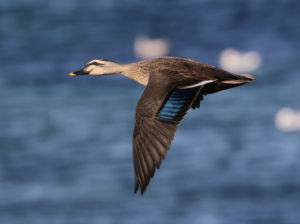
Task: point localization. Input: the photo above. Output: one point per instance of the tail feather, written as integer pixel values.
(243, 78)
(234, 82)
(230, 82)
(247, 77)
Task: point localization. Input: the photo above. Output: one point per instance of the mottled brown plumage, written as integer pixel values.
(173, 86)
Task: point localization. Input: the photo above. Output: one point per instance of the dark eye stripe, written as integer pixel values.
(95, 63)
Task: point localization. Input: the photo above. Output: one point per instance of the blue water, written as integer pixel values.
(65, 142)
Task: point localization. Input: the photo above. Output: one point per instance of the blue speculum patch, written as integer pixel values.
(178, 99)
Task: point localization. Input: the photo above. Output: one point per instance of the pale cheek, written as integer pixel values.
(96, 71)
(90, 68)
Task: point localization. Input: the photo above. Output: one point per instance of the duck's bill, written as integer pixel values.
(80, 72)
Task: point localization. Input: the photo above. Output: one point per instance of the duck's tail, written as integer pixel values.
(231, 81)
(242, 79)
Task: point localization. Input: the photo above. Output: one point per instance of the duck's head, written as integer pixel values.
(99, 67)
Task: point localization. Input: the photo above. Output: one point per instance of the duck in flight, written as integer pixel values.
(173, 86)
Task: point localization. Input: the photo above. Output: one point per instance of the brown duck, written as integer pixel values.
(173, 86)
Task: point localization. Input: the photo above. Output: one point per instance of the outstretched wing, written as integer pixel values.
(158, 112)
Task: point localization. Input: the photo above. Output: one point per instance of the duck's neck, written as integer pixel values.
(136, 72)
(114, 68)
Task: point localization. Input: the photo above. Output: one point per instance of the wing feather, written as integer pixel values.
(158, 113)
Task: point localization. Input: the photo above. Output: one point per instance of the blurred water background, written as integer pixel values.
(65, 142)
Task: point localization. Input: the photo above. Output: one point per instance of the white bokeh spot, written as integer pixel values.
(146, 48)
(288, 119)
(236, 61)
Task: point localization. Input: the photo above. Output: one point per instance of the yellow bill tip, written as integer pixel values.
(72, 74)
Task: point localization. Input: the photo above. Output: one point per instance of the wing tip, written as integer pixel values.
(142, 187)
(136, 187)
(142, 190)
